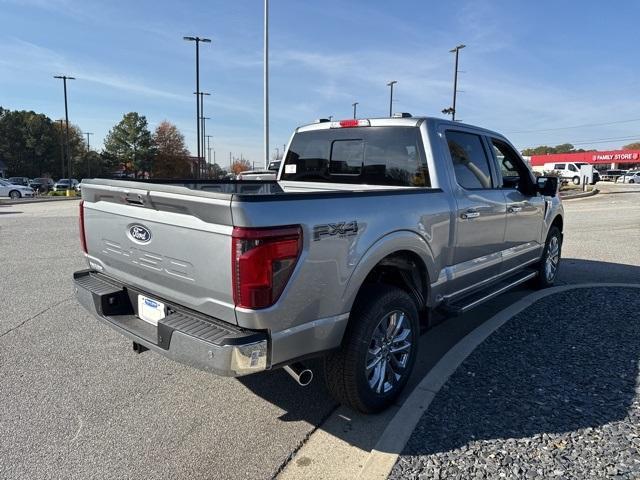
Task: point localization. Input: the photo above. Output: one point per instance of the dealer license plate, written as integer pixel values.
(150, 310)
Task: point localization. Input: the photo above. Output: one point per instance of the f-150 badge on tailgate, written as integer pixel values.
(341, 229)
(140, 234)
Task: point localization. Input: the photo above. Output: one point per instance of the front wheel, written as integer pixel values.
(550, 261)
(576, 180)
(378, 351)
(14, 194)
(632, 181)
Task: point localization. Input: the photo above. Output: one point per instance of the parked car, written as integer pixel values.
(63, 184)
(14, 191)
(42, 185)
(570, 171)
(629, 177)
(257, 175)
(341, 257)
(24, 181)
(274, 166)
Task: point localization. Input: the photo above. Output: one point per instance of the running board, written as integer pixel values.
(465, 304)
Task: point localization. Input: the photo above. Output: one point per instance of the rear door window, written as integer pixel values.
(366, 155)
(559, 166)
(470, 160)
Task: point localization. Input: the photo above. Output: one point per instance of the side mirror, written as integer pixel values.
(548, 186)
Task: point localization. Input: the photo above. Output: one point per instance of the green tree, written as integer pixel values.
(632, 146)
(130, 143)
(171, 159)
(30, 143)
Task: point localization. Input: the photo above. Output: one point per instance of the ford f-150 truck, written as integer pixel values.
(371, 225)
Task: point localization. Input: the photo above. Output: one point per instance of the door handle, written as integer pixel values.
(513, 209)
(469, 214)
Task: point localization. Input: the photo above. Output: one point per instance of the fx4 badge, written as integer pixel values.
(341, 229)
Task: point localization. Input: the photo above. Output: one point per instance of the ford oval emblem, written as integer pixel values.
(140, 233)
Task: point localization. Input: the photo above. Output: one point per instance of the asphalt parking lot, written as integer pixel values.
(78, 403)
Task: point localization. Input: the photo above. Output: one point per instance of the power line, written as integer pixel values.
(577, 126)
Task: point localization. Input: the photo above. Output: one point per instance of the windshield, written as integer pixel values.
(362, 155)
(4, 183)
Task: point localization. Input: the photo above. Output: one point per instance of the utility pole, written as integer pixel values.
(64, 79)
(355, 105)
(391, 84)
(197, 40)
(452, 110)
(88, 153)
(266, 83)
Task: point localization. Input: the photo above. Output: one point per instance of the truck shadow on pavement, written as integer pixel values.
(575, 356)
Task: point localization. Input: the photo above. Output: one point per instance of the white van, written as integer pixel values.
(570, 171)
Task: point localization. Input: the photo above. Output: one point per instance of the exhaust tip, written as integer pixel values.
(299, 373)
(305, 377)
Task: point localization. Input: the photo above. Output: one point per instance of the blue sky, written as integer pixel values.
(541, 72)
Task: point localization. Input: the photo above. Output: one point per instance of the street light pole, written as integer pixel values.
(66, 116)
(455, 80)
(266, 83)
(88, 153)
(355, 105)
(391, 84)
(209, 147)
(61, 148)
(197, 40)
(202, 118)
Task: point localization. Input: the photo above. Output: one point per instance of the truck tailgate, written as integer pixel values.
(167, 241)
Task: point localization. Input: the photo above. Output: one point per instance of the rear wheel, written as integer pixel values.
(632, 181)
(576, 180)
(378, 350)
(15, 194)
(550, 261)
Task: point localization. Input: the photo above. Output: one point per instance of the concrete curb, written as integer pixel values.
(383, 457)
(593, 192)
(38, 200)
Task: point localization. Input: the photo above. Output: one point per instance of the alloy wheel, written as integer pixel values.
(389, 352)
(553, 258)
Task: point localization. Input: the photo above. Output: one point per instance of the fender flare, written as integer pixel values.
(400, 240)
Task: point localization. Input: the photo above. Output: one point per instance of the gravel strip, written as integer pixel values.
(553, 393)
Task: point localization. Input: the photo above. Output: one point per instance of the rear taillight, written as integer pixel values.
(262, 260)
(83, 237)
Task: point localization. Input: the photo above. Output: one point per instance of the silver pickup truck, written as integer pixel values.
(371, 225)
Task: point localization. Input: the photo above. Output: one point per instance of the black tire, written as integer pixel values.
(345, 370)
(15, 194)
(632, 181)
(543, 279)
(576, 180)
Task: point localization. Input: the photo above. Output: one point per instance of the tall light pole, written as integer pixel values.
(202, 117)
(88, 153)
(391, 84)
(61, 148)
(197, 40)
(354, 105)
(204, 136)
(266, 83)
(64, 79)
(452, 110)
(209, 137)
